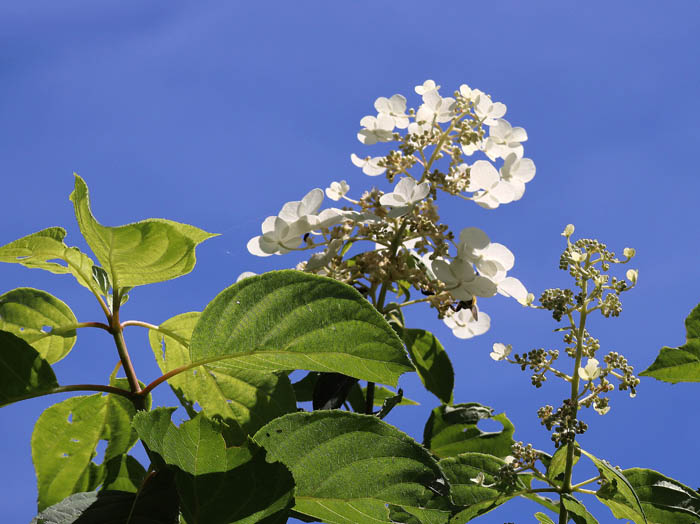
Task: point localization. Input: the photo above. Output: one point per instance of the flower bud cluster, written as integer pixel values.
(394, 241)
(564, 422)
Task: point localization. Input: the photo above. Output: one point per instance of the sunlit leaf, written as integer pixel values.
(543, 519)
(40, 319)
(292, 320)
(23, 371)
(431, 362)
(577, 511)
(216, 484)
(452, 430)
(144, 252)
(244, 399)
(347, 467)
(680, 364)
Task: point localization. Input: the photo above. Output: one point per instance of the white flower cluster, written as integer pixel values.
(480, 267)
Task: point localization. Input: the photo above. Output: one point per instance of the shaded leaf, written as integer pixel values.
(65, 440)
(356, 398)
(152, 250)
(41, 249)
(292, 320)
(577, 511)
(40, 319)
(244, 399)
(680, 364)
(331, 390)
(216, 483)
(473, 479)
(23, 371)
(431, 361)
(452, 430)
(156, 504)
(304, 388)
(347, 467)
(557, 466)
(123, 473)
(390, 403)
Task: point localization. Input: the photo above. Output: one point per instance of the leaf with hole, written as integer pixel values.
(292, 320)
(152, 250)
(40, 319)
(452, 430)
(24, 373)
(244, 399)
(347, 467)
(216, 483)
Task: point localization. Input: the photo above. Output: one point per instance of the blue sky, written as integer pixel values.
(216, 113)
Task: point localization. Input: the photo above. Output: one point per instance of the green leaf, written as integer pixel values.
(156, 504)
(244, 399)
(347, 467)
(292, 320)
(577, 511)
(123, 473)
(356, 398)
(304, 388)
(23, 371)
(40, 319)
(680, 364)
(65, 439)
(39, 249)
(152, 250)
(472, 477)
(616, 483)
(216, 483)
(542, 518)
(452, 430)
(557, 466)
(664, 499)
(431, 361)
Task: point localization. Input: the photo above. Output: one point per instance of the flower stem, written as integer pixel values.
(77, 387)
(117, 333)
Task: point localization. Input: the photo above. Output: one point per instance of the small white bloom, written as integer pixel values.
(245, 274)
(512, 287)
(629, 252)
(427, 86)
(632, 275)
(470, 149)
(337, 190)
(395, 107)
(278, 236)
(485, 109)
(490, 191)
(464, 326)
(319, 260)
(504, 139)
(376, 129)
(501, 351)
(461, 280)
(517, 172)
(369, 165)
(568, 230)
(406, 194)
(435, 108)
(591, 371)
(297, 209)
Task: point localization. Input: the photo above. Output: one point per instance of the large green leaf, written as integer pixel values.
(557, 465)
(41, 319)
(431, 361)
(665, 500)
(144, 252)
(41, 249)
(156, 503)
(65, 440)
(617, 483)
(472, 477)
(244, 399)
(680, 364)
(216, 484)
(452, 430)
(348, 467)
(23, 371)
(577, 511)
(292, 320)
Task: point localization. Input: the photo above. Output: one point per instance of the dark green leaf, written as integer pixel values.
(244, 399)
(101, 277)
(216, 483)
(41, 249)
(65, 439)
(23, 372)
(356, 398)
(473, 479)
(304, 389)
(40, 319)
(144, 252)
(618, 484)
(665, 500)
(431, 362)
(452, 430)
(123, 473)
(292, 320)
(331, 390)
(557, 466)
(390, 404)
(156, 504)
(347, 467)
(577, 511)
(680, 364)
